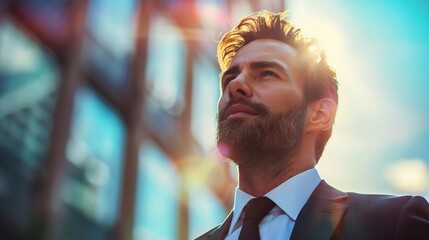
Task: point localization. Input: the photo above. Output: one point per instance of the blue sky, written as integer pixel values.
(379, 49)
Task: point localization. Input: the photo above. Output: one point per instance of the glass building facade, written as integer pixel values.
(108, 117)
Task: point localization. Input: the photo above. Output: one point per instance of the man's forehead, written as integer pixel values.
(264, 50)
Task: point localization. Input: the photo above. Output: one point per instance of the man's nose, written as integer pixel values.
(239, 87)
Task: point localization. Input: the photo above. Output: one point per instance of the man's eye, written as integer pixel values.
(268, 74)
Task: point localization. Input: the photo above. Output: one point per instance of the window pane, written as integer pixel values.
(165, 70)
(157, 196)
(28, 84)
(28, 88)
(112, 27)
(165, 76)
(204, 106)
(95, 153)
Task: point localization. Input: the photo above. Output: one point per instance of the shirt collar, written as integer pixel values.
(290, 196)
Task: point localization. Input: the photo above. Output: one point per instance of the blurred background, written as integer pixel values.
(108, 107)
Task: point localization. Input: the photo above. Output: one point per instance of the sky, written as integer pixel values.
(378, 48)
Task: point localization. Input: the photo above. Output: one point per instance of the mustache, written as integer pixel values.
(260, 108)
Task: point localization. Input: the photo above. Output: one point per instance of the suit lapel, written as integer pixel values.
(321, 214)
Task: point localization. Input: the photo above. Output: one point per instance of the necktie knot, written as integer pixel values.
(255, 211)
(257, 208)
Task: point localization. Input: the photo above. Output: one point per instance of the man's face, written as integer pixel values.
(262, 108)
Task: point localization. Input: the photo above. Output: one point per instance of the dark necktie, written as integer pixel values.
(255, 211)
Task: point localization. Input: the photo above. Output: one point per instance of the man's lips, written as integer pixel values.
(240, 110)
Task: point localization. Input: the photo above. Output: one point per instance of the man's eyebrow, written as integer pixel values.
(269, 64)
(257, 65)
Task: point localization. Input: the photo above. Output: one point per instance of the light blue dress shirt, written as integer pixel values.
(289, 197)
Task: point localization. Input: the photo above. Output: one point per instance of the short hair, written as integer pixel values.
(320, 79)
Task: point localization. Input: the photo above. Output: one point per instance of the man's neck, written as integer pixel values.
(259, 181)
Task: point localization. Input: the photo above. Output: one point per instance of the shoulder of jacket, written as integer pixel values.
(376, 201)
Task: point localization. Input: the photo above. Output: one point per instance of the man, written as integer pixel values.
(276, 111)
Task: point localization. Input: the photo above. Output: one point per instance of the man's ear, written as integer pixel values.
(321, 115)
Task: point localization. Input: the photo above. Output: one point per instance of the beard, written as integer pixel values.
(265, 139)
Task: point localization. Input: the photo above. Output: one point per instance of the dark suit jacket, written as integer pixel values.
(332, 214)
